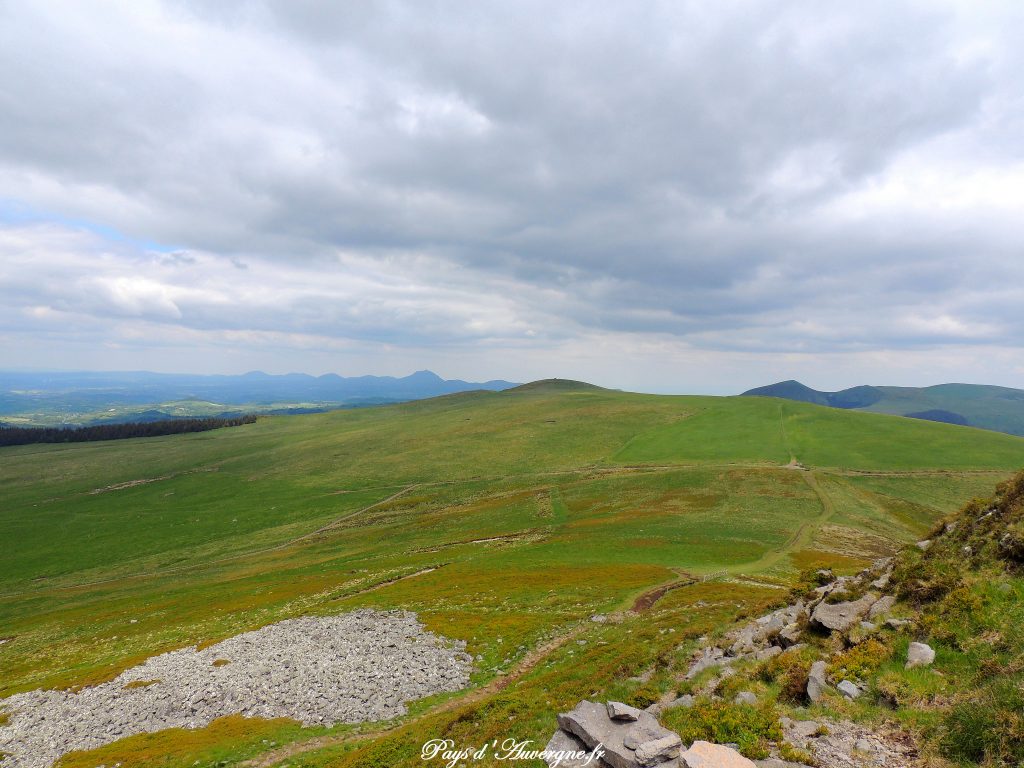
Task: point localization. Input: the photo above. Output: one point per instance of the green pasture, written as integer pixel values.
(504, 519)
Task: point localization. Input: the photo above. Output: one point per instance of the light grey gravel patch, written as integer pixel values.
(351, 668)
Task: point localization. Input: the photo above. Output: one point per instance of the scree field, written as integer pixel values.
(507, 520)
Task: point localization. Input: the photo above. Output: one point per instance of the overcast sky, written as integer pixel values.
(675, 197)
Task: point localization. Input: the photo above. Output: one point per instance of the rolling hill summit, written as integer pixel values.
(974, 405)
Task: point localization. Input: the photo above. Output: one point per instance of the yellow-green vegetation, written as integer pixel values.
(504, 519)
(964, 596)
(140, 684)
(751, 727)
(969, 589)
(225, 741)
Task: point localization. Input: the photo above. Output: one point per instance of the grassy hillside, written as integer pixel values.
(505, 519)
(997, 408)
(963, 595)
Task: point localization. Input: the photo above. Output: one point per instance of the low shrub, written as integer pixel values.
(643, 697)
(860, 661)
(790, 671)
(793, 754)
(752, 728)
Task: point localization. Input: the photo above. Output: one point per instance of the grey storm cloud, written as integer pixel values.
(763, 177)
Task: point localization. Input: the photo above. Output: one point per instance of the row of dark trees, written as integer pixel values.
(27, 435)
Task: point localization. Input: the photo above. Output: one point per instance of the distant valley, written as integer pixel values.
(91, 398)
(974, 405)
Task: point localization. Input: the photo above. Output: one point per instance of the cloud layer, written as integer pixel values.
(661, 196)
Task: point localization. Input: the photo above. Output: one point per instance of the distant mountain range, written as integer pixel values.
(974, 405)
(88, 398)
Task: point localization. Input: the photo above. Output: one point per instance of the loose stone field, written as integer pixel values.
(355, 667)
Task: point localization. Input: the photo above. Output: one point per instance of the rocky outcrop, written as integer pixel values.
(777, 632)
(843, 744)
(841, 617)
(625, 743)
(783, 628)
(566, 751)
(642, 743)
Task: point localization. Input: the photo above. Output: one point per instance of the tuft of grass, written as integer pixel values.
(134, 684)
(793, 754)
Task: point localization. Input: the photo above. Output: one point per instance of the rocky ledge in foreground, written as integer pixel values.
(625, 737)
(356, 667)
(845, 610)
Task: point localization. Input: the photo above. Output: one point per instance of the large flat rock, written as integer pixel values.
(589, 722)
(839, 617)
(566, 751)
(704, 754)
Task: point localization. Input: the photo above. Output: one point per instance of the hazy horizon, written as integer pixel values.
(482, 379)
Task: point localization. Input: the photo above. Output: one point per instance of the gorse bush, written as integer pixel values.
(643, 696)
(752, 728)
(860, 661)
(790, 671)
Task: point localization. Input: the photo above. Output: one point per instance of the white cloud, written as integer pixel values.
(579, 184)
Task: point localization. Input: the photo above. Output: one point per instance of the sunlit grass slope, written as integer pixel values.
(502, 518)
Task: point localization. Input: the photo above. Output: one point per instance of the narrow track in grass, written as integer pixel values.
(641, 604)
(646, 600)
(770, 558)
(338, 522)
(801, 537)
(227, 558)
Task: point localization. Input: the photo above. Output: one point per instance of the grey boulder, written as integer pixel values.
(589, 722)
(816, 682)
(848, 689)
(789, 635)
(919, 655)
(839, 617)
